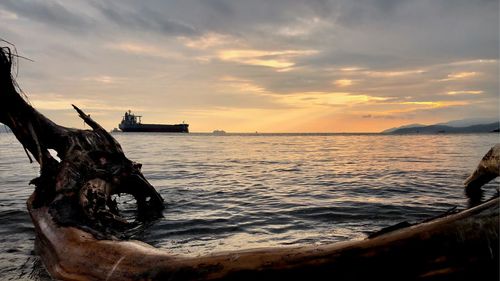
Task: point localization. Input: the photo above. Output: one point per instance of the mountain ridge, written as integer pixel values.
(457, 123)
(440, 129)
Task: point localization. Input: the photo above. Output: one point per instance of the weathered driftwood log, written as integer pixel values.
(487, 169)
(462, 246)
(72, 211)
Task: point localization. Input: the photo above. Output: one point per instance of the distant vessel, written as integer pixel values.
(219, 132)
(132, 123)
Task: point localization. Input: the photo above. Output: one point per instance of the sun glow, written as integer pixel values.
(343, 82)
(327, 99)
(435, 104)
(391, 74)
(273, 59)
(452, 93)
(461, 75)
(209, 40)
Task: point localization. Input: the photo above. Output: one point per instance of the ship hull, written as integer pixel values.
(177, 128)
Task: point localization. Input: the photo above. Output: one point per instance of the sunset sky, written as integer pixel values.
(259, 65)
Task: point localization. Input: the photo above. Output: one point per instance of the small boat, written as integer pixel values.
(219, 132)
(132, 123)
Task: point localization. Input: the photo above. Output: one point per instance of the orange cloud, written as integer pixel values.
(273, 59)
(460, 75)
(209, 40)
(452, 93)
(343, 82)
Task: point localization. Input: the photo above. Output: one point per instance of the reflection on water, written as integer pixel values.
(240, 191)
(475, 196)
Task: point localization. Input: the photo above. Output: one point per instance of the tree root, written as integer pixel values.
(93, 167)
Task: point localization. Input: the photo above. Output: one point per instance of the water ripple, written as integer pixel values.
(241, 191)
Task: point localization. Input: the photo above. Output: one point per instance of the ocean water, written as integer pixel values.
(244, 191)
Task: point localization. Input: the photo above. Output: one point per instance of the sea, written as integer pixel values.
(242, 191)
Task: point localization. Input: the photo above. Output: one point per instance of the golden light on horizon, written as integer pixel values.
(314, 99)
(435, 104)
(241, 85)
(390, 74)
(105, 79)
(461, 75)
(273, 59)
(206, 41)
(244, 103)
(248, 66)
(351, 69)
(343, 82)
(452, 93)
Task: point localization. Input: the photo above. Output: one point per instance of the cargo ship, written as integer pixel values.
(132, 123)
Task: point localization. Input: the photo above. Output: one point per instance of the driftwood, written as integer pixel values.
(93, 167)
(77, 222)
(487, 169)
(457, 247)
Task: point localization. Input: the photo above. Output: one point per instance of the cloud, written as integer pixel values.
(325, 59)
(54, 101)
(343, 82)
(142, 17)
(8, 15)
(464, 92)
(208, 40)
(143, 49)
(104, 79)
(47, 12)
(274, 59)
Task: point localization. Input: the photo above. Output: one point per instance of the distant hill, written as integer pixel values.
(439, 129)
(469, 122)
(402, 127)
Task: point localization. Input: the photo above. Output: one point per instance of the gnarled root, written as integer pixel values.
(93, 167)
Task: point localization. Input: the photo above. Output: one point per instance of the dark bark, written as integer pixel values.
(462, 246)
(93, 167)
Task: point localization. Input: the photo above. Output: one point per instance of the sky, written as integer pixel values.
(259, 65)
